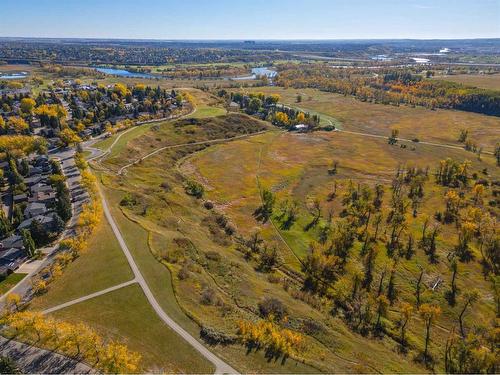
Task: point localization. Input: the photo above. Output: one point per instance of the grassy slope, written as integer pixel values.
(103, 265)
(232, 275)
(302, 176)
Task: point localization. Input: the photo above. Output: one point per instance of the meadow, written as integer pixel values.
(442, 126)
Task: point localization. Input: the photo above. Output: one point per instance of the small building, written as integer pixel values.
(301, 127)
(33, 180)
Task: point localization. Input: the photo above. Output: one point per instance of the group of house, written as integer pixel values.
(37, 203)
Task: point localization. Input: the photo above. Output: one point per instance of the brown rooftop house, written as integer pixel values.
(43, 197)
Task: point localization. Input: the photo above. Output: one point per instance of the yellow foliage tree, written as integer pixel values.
(69, 137)
(17, 125)
(27, 105)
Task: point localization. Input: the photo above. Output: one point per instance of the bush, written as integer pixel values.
(213, 255)
(166, 186)
(208, 205)
(128, 200)
(183, 273)
(271, 306)
(194, 189)
(214, 337)
(209, 297)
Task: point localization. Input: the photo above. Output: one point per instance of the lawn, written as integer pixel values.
(103, 265)
(11, 280)
(126, 315)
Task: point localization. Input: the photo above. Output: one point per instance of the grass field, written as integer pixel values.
(302, 176)
(178, 232)
(11, 280)
(485, 81)
(437, 126)
(126, 315)
(102, 266)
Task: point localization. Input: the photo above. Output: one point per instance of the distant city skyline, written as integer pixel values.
(259, 19)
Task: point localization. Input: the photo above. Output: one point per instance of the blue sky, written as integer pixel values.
(256, 19)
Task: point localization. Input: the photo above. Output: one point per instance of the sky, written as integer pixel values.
(256, 19)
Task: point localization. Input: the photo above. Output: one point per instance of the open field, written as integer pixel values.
(102, 266)
(485, 81)
(437, 126)
(11, 280)
(229, 174)
(302, 177)
(126, 315)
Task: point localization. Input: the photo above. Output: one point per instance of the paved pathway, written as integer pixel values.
(33, 360)
(89, 296)
(221, 367)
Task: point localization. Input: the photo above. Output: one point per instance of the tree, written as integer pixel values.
(271, 307)
(429, 314)
(28, 242)
(265, 211)
(17, 125)
(382, 303)
(406, 312)
(451, 294)
(470, 297)
(27, 105)
(255, 105)
(68, 137)
(301, 118)
(13, 300)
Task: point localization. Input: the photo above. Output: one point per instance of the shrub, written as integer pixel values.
(271, 306)
(209, 297)
(194, 189)
(166, 186)
(208, 205)
(128, 200)
(213, 255)
(183, 273)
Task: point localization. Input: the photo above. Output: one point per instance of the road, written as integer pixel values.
(33, 360)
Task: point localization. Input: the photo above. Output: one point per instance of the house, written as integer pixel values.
(11, 259)
(33, 180)
(301, 127)
(13, 241)
(20, 198)
(41, 187)
(34, 171)
(34, 209)
(45, 220)
(41, 196)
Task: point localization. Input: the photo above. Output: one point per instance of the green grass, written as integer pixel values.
(103, 265)
(11, 280)
(126, 315)
(204, 111)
